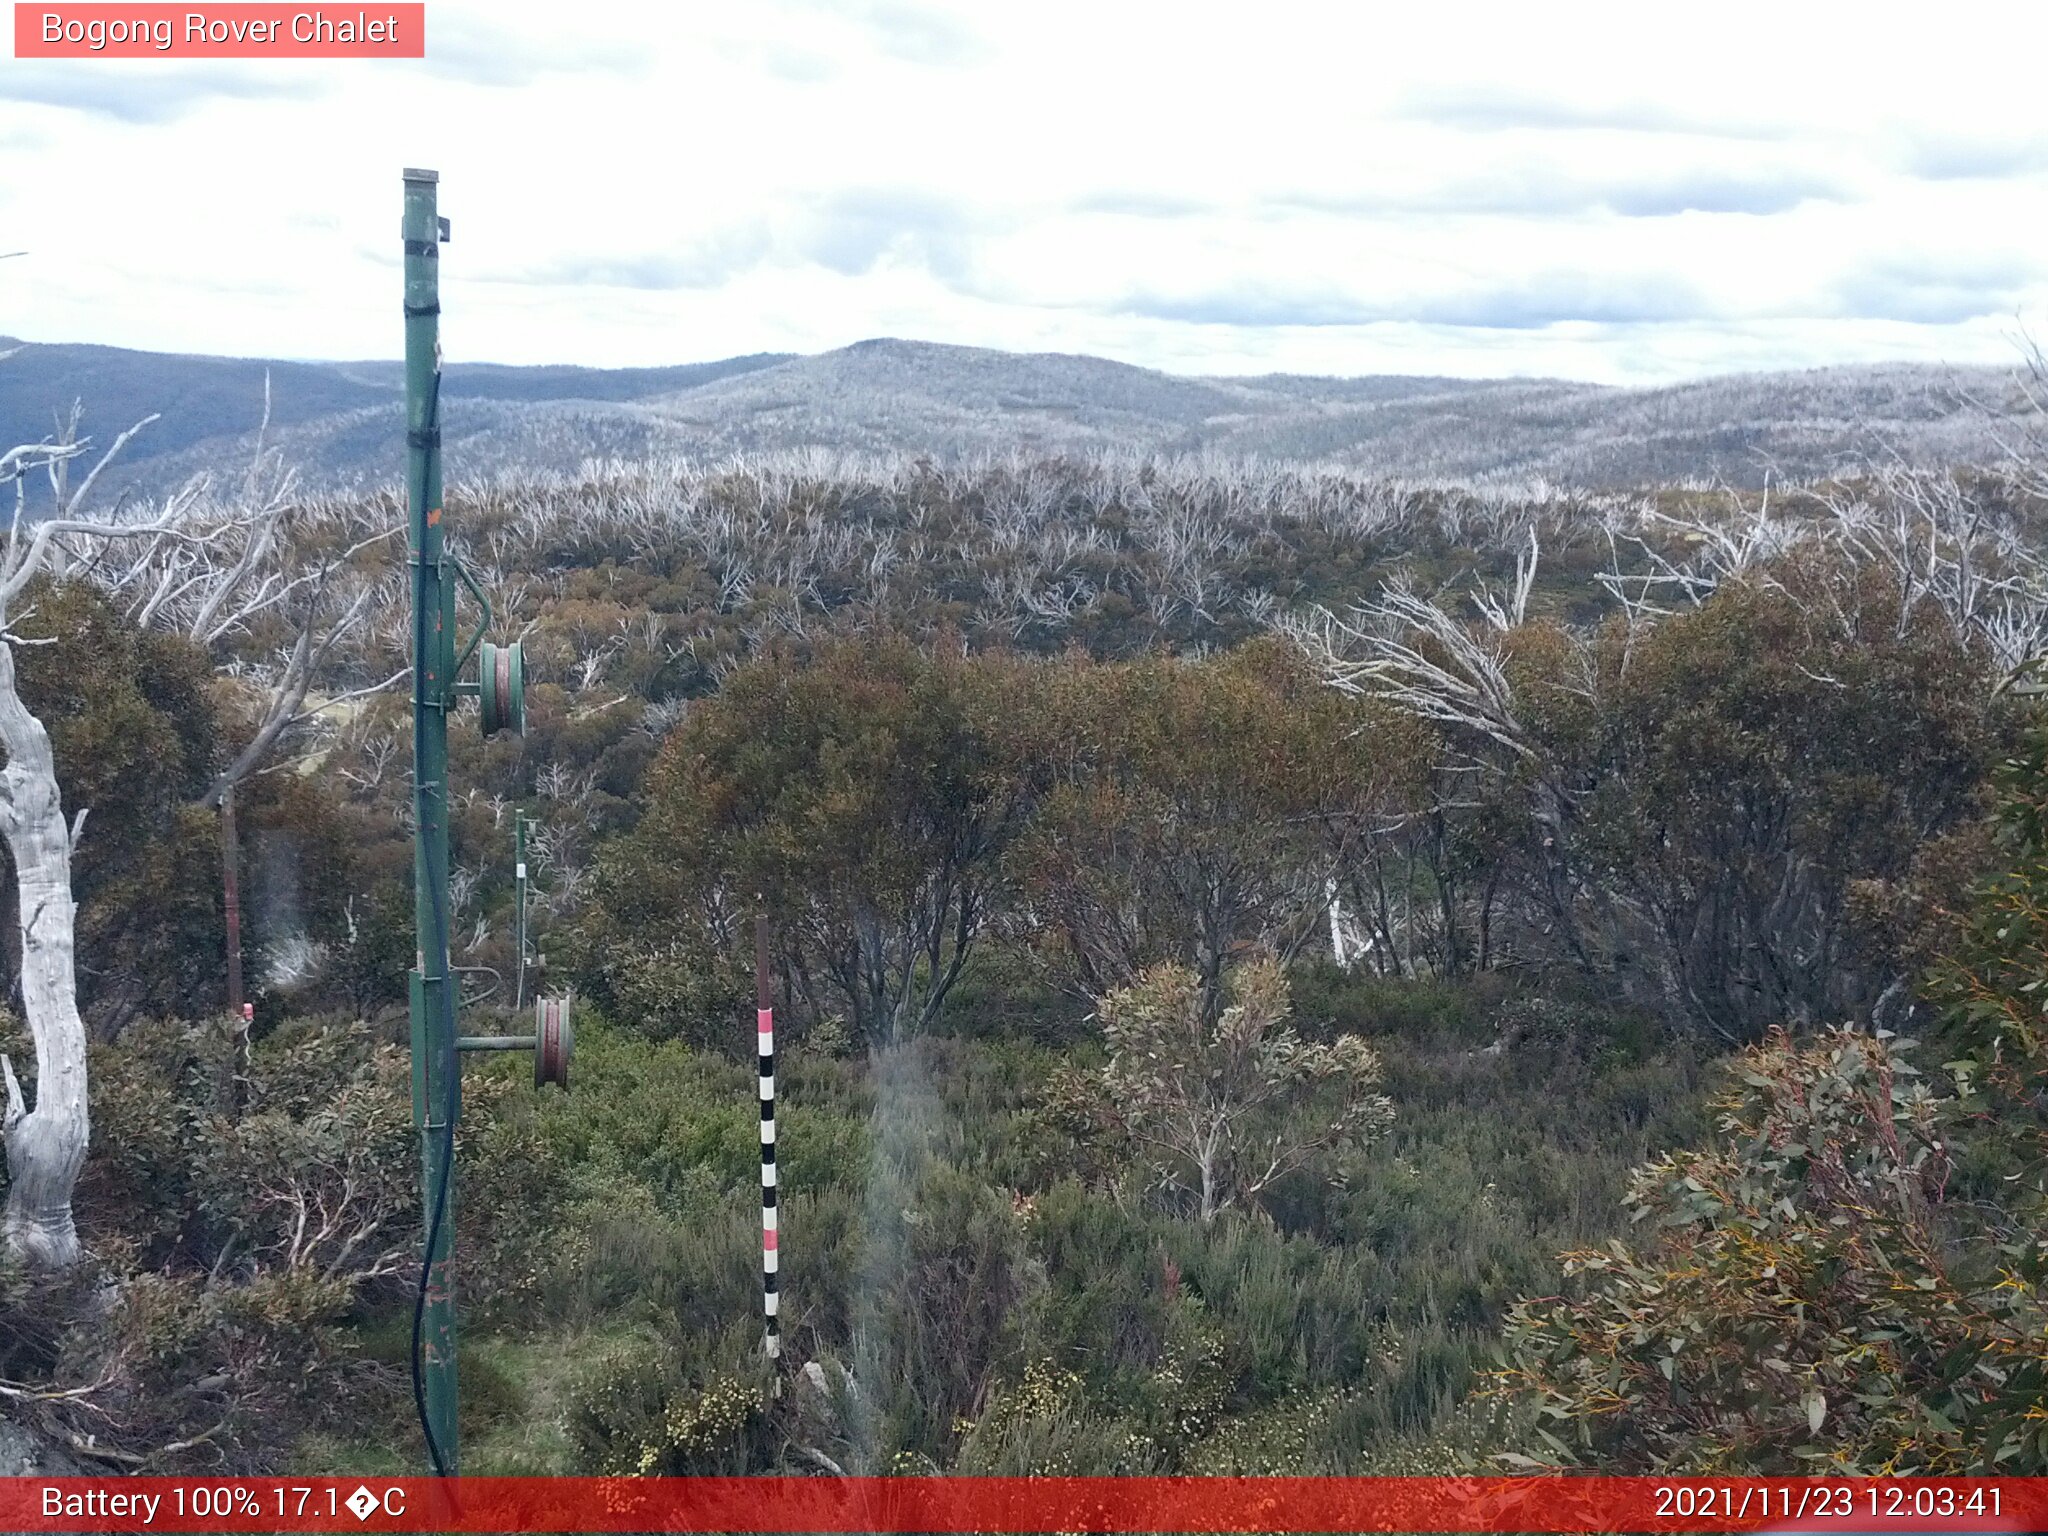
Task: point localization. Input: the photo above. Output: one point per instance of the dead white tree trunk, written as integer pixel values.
(45, 1145)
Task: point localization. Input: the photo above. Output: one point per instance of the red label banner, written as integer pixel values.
(234, 31)
(1015, 1504)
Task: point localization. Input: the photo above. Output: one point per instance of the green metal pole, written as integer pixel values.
(519, 905)
(436, 1073)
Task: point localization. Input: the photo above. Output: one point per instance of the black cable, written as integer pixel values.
(454, 1065)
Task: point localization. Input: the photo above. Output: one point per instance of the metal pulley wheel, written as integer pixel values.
(501, 688)
(554, 1039)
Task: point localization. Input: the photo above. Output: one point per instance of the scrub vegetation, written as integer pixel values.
(1277, 972)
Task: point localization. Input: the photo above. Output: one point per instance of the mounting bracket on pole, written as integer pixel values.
(500, 686)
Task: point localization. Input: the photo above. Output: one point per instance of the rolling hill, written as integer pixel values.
(341, 422)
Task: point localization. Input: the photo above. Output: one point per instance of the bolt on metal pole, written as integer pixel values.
(436, 1072)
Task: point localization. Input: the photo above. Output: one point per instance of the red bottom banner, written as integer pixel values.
(1025, 1504)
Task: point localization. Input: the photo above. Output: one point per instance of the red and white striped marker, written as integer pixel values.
(764, 1024)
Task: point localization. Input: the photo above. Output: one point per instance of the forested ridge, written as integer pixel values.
(341, 422)
(1280, 971)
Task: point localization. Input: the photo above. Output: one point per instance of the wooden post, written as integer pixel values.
(231, 889)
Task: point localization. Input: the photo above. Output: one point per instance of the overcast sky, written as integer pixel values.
(1631, 193)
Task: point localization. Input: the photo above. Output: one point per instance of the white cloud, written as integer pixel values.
(1208, 188)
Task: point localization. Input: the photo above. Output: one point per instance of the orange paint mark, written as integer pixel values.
(434, 518)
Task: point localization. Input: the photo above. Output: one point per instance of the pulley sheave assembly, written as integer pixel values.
(501, 688)
(552, 1042)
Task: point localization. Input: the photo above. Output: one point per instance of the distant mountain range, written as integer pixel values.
(341, 423)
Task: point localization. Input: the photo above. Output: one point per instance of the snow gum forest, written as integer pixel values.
(1280, 967)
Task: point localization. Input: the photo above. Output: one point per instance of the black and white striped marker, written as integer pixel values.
(764, 1023)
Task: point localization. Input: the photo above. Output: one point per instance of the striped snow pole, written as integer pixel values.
(764, 1022)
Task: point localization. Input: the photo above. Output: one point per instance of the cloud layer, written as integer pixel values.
(1311, 187)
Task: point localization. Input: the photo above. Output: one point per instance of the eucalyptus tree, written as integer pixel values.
(864, 793)
(1193, 808)
(1685, 796)
(1225, 1101)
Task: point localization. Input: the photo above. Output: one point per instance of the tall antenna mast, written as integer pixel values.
(436, 1071)
(437, 665)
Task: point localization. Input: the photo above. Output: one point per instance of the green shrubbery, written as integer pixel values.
(974, 1296)
(243, 1210)
(972, 1304)
(972, 858)
(1808, 1293)
(1852, 1274)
